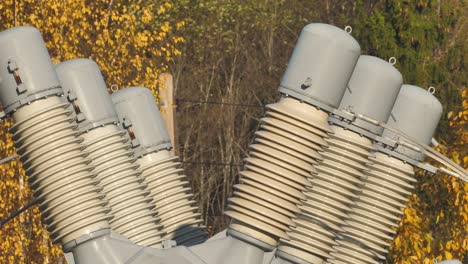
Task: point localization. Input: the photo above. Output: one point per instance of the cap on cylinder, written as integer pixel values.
(85, 88)
(139, 114)
(26, 71)
(372, 91)
(416, 113)
(321, 65)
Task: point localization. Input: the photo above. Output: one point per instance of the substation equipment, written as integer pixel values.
(325, 181)
(169, 187)
(110, 153)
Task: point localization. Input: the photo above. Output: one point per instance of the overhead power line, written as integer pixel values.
(183, 100)
(15, 214)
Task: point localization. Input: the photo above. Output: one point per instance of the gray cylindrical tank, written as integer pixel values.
(416, 113)
(84, 86)
(321, 65)
(372, 91)
(453, 261)
(138, 111)
(26, 65)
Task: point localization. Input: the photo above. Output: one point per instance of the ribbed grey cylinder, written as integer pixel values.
(321, 65)
(372, 91)
(146, 122)
(45, 136)
(416, 113)
(83, 84)
(162, 171)
(26, 71)
(108, 147)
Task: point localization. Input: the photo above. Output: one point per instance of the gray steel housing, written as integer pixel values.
(372, 91)
(84, 87)
(320, 66)
(416, 113)
(145, 122)
(26, 65)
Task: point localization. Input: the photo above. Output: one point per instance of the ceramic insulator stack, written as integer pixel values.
(377, 213)
(120, 178)
(162, 172)
(277, 171)
(390, 181)
(59, 169)
(336, 183)
(110, 151)
(173, 197)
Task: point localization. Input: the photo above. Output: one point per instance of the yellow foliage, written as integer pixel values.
(131, 42)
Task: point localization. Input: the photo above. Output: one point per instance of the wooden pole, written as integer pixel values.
(167, 107)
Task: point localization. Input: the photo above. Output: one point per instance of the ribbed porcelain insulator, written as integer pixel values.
(276, 173)
(377, 213)
(173, 198)
(120, 178)
(335, 184)
(71, 200)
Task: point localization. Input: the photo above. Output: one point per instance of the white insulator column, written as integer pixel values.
(62, 179)
(119, 176)
(162, 172)
(377, 212)
(390, 181)
(110, 151)
(336, 183)
(276, 173)
(172, 195)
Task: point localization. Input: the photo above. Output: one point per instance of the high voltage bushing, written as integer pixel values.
(390, 180)
(323, 59)
(110, 151)
(46, 135)
(372, 92)
(265, 204)
(162, 171)
(337, 180)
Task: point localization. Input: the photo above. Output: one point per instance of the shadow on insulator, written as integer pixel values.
(162, 171)
(390, 179)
